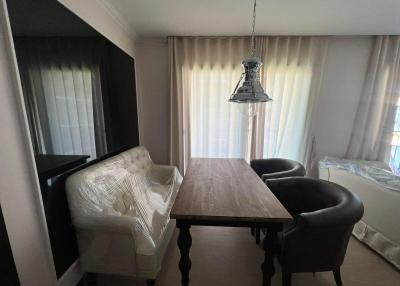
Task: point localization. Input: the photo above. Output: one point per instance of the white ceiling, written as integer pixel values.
(154, 18)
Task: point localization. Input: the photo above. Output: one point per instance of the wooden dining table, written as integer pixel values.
(227, 192)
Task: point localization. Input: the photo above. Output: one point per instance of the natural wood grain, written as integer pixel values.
(226, 190)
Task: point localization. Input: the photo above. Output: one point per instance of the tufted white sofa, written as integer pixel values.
(120, 209)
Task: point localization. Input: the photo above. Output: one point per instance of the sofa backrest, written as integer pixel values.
(105, 187)
(137, 158)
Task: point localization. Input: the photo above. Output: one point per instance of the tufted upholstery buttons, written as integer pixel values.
(139, 157)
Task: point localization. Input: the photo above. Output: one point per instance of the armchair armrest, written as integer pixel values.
(277, 168)
(297, 171)
(336, 216)
(320, 218)
(303, 198)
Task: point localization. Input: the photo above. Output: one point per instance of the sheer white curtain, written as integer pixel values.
(373, 126)
(61, 84)
(217, 128)
(293, 68)
(203, 72)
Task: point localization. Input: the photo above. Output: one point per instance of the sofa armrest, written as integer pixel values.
(110, 223)
(165, 174)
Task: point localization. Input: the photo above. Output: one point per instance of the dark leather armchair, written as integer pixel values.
(277, 168)
(325, 214)
(272, 169)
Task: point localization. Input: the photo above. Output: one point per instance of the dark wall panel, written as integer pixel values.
(8, 272)
(119, 95)
(49, 19)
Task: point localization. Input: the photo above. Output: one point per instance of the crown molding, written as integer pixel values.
(151, 40)
(118, 18)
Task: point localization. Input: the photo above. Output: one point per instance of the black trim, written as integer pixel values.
(61, 232)
(8, 272)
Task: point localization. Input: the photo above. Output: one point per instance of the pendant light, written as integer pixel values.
(251, 90)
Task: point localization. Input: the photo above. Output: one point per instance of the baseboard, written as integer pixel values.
(72, 276)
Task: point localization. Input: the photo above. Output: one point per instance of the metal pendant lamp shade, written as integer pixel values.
(251, 90)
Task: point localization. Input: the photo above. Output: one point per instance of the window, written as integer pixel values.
(288, 116)
(394, 161)
(68, 97)
(218, 129)
(204, 72)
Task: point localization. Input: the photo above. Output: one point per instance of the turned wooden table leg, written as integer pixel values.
(270, 244)
(184, 244)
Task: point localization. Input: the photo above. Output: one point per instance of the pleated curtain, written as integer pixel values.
(203, 73)
(292, 73)
(373, 126)
(61, 85)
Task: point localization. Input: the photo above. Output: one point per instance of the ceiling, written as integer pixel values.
(154, 18)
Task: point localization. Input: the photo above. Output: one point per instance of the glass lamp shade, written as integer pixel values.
(248, 109)
(251, 90)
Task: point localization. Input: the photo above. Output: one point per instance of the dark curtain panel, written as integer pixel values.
(61, 83)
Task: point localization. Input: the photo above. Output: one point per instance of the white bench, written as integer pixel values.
(378, 188)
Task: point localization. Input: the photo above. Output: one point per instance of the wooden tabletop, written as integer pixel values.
(226, 190)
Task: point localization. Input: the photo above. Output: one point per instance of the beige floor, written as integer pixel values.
(229, 256)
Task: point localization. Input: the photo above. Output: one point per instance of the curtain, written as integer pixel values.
(61, 84)
(374, 122)
(292, 73)
(203, 73)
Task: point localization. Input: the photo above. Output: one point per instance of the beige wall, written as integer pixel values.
(152, 75)
(341, 86)
(19, 188)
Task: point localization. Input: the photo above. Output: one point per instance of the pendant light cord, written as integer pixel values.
(253, 48)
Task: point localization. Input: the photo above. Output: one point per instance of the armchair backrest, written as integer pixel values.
(325, 214)
(277, 168)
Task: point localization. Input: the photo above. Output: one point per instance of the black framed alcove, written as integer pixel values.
(49, 38)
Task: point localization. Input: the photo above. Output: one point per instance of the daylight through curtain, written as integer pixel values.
(373, 126)
(203, 73)
(61, 85)
(292, 73)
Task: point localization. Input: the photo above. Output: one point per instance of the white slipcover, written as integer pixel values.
(120, 208)
(379, 227)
